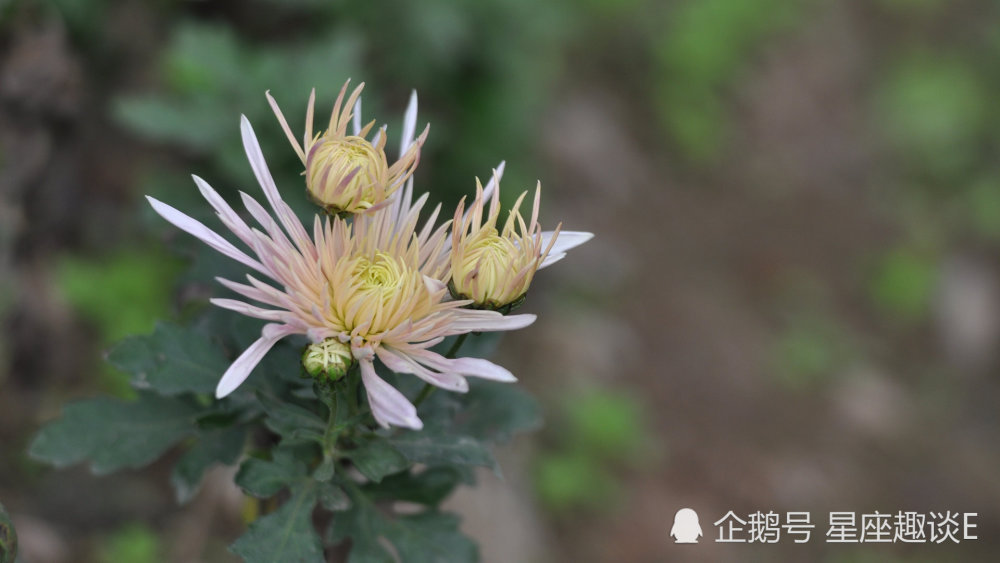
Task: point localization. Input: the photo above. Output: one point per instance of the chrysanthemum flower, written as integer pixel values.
(350, 173)
(492, 265)
(373, 284)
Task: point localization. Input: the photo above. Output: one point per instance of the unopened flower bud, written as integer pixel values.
(330, 359)
(349, 174)
(493, 266)
(346, 174)
(486, 270)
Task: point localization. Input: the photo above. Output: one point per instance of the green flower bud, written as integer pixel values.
(330, 359)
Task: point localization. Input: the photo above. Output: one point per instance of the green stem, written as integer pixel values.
(428, 388)
(456, 346)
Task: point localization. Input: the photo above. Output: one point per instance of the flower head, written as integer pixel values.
(373, 284)
(347, 174)
(493, 265)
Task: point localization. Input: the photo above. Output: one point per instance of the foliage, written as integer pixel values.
(904, 283)
(705, 46)
(315, 446)
(132, 544)
(599, 433)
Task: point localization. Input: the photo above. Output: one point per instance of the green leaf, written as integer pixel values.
(495, 411)
(292, 421)
(286, 535)
(218, 446)
(431, 537)
(436, 447)
(171, 361)
(263, 479)
(428, 487)
(428, 537)
(376, 459)
(115, 434)
(333, 498)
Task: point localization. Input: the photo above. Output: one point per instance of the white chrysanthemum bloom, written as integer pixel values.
(492, 265)
(350, 173)
(374, 284)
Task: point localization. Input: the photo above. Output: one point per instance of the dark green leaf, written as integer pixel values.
(376, 459)
(333, 498)
(171, 361)
(292, 421)
(218, 446)
(431, 537)
(264, 479)
(285, 535)
(436, 447)
(428, 487)
(114, 434)
(428, 537)
(495, 411)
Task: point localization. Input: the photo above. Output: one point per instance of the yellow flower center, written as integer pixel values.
(379, 277)
(380, 292)
(333, 161)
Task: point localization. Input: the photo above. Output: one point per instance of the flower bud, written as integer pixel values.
(350, 174)
(330, 359)
(491, 265)
(487, 270)
(346, 174)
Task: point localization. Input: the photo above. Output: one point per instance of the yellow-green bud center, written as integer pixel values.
(329, 359)
(487, 270)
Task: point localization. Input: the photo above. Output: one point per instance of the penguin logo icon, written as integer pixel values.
(686, 527)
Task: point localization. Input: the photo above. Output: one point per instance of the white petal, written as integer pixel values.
(226, 213)
(251, 310)
(389, 406)
(402, 362)
(409, 125)
(482, 321)
(241, 368)
(564, 242)
(285, 214)
(206, 235)
(492, 185)
(471, 367)
(356, 120)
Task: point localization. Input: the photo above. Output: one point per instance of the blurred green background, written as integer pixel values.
(792, 303)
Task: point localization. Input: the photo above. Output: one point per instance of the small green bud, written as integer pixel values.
(8, 538)
(330, 359)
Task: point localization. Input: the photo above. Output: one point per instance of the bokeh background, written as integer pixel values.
(792, 302)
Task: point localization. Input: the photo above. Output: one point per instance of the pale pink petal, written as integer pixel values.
(409, 125)
(565, 241)
(471, 367)
(241, 368)
(285, 214)
(356, 119)
(468, 320)
(492, 185)
(378, 135)
(389, 406)
(203, 233)
(226, 213)
(403, 362)
(251, 310)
